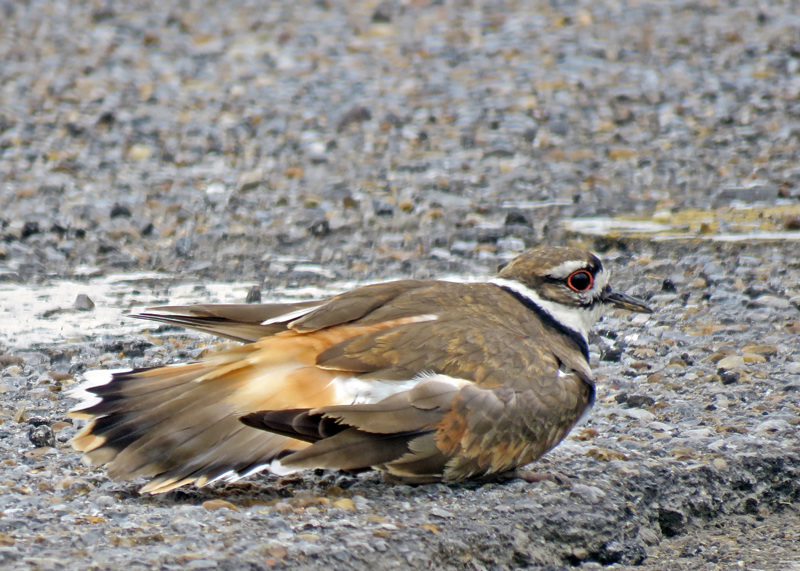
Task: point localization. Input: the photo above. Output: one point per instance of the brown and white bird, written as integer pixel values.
(425, 380)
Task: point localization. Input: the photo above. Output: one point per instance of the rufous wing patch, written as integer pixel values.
(450, 432)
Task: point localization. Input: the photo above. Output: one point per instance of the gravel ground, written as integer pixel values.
(293, 144)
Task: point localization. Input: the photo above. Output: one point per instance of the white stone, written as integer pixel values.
(640, 414)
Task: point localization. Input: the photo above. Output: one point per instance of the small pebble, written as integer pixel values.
(731, 362)
(729, 377)
(344, 504)
(83, 303)
(253, 295)
(42, 436)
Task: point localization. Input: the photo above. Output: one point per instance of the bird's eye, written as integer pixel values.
(580, 281)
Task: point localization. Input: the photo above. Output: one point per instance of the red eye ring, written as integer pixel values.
(580, 281)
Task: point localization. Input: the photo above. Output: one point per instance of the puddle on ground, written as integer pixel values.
(735, 223)
(43, 313)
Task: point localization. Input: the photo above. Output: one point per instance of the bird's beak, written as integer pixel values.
(623, 301)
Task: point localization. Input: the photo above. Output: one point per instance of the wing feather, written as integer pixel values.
(239, 322)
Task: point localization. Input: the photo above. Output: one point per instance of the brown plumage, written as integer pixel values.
(425, 380)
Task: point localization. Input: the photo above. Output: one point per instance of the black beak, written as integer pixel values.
(623, 301)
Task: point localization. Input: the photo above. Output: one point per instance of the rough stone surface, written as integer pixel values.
(318, 144)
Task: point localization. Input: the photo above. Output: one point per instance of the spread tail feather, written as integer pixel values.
(180, 424)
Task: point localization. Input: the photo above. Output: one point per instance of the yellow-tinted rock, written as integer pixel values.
(308, 501)
(662, 216)
(345, 504)
(277, 551)
(682, 452)
(731, 362)
(606, 455)
(59, 426)
(644, 353)
(621, 153)
(335, 491)
(768, 350)
(213, 505)
(140, 152)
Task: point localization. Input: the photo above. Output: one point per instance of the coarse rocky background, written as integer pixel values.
(294, 147)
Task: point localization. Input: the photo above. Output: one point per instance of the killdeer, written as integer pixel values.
(425, 380)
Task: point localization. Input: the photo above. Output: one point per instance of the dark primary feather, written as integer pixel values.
(296, 423)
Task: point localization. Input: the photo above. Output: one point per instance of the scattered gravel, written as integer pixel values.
(285, 145)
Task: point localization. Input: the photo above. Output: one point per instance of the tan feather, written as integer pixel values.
(240, 322)
(180, 424)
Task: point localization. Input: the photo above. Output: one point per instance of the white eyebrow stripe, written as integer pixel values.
(564, 269)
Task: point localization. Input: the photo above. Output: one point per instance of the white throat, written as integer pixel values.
(578, 319)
